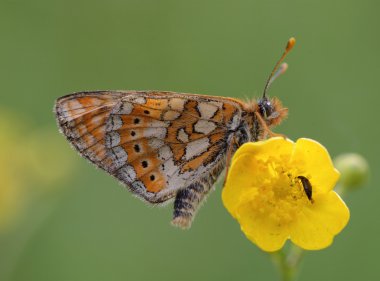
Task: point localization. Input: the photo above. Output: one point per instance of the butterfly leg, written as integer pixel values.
(187, 202)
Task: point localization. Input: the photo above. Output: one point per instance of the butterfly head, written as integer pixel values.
(271, 111)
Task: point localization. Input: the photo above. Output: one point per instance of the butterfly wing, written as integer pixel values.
(155, 143)
(82, 118)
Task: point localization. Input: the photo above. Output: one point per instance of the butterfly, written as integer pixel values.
(165, 145)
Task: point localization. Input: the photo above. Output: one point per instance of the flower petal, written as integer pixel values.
(316, 226)
(265, 149)
(262, 229)
(316, 162)
(237, 183)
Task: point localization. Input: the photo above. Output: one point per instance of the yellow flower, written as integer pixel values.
(278, 190)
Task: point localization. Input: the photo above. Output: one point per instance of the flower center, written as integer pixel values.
(283, 194)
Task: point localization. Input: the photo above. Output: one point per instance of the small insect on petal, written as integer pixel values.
(306, 186)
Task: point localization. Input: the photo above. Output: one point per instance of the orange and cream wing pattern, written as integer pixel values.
(156, 143)
(161, 142)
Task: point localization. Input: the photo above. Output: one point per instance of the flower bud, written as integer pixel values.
(354, 170)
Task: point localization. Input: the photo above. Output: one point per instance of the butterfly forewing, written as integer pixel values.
(156, 143)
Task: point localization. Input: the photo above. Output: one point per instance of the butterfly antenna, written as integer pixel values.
(279, 68)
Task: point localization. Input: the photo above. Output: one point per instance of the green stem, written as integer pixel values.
(288, 262)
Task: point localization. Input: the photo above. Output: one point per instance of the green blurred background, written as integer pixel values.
(65, 220)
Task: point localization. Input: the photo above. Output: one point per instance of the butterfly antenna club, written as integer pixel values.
(280, 67)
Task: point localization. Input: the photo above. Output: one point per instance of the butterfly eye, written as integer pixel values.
(266, 108)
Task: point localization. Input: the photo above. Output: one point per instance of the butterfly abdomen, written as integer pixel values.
(189, 199)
